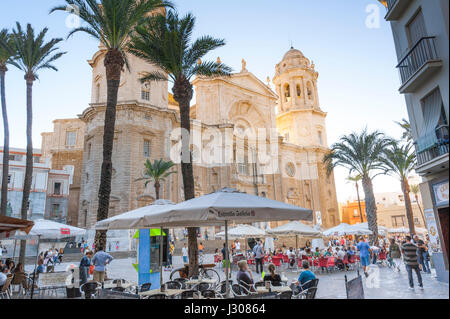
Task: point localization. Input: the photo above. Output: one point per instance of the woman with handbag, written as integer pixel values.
(85, 265)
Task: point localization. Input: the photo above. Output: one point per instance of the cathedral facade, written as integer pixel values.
(244, 135)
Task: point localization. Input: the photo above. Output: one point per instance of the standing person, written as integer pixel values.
(259, 256)
(364, 254)
(238, 246)
(85, 263)
(185, 253)
(409, 251)
(422, 254)
(100, 260)
(395, 253)
(206, 234)
(201, 248)
(60, 255)
(171, 250)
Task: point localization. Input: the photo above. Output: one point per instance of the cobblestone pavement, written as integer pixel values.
(382, 283)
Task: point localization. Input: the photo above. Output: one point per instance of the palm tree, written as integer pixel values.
(400, 161)
(166, 42)
(33, 55)
(111, 22)
(406, 126)
(6, 54)
(415, 189)
(157, 172)
(361, 154)
(355, 179)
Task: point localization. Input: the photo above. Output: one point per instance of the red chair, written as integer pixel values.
(323, 262)
(285, 259)
(266, 259)
(382, 255)
(331, 264)
(251, 261)
(276, 261)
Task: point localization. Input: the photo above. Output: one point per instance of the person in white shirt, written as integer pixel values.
(185, 253)
(238, 246)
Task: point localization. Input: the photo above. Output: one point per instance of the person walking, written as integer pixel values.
(259, 256)
(395, 254)
(422, 254)
(409, 251)
(364, 254)
(85, 263)
(185, 253)
(100, 260)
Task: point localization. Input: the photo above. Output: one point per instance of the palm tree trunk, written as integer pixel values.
(113, 64)
(420, 209)
(29, 161)
(371, 207)
(5, 171)
(157, 188)
(408, 206)
(359, 203)
(183, 94)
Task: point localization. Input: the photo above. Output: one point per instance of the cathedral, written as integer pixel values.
(244, 136)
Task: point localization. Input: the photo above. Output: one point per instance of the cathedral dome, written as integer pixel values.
(293, 53)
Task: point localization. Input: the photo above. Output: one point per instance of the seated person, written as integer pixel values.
(317, 253)
(305, 276)
(328, 253)
(3, 275)
(20, 276)
(274, 278)
(244, 276)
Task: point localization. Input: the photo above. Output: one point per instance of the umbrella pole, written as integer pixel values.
(14, 251)
(35, 266)
(161, 244)
(227, 283)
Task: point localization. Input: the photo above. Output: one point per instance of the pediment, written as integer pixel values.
(249, 81)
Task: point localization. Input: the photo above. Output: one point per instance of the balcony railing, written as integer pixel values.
(422, 52)
(439, 149)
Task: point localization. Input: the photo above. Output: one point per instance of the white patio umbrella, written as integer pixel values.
(346, 229)
(243, 231)
(383, 230)
(296, 229)
(47, 229)
(218, 209)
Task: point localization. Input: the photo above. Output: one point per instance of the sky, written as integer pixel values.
(349, 41)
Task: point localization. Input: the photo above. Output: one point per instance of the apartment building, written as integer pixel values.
(421, 35)
(49, 195)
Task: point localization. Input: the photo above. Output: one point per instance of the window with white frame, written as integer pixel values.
(71, 138)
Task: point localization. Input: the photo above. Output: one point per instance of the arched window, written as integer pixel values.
(287, 93)
(310, 90)
(319, 135)
(299, 90)
(97, 94)
(145, 92)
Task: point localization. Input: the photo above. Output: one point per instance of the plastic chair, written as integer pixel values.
(90, 289)
(4, 293)
(239, 291)
(145, 287)
(285, 295)
(209, 294)
(203, 286)
(173, 285)
(331, 264)
(157, 296)
(276, 261)
(188, 294)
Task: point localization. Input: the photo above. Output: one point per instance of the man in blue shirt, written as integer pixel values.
(100, 260)
(259, 256)
(304, 280)
(364, 254)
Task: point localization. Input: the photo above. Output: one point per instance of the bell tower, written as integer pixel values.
(299, 119)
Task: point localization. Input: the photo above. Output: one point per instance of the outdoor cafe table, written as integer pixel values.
(263, 290)
(198, 281)
(167, 292)
(125, 285)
